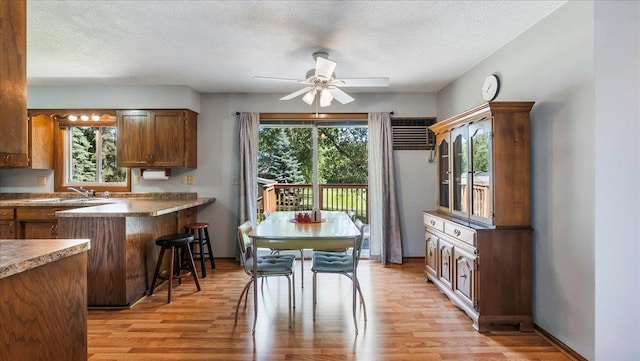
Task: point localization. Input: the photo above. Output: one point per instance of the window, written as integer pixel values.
(90, 157)
(85, 152)
(309, 161)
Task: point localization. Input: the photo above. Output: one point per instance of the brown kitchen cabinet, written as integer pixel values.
(13, 84)
(38, 222)
(481, 231)
(157, 138)
(8, 229)
(40, 147)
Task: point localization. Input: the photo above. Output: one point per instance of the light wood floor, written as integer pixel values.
(408, 319)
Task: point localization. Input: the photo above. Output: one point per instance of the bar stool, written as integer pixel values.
(200, 232)
(179, 244)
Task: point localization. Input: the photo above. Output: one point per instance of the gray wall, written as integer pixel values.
(218, 160)
(617, 176)
(552, 64)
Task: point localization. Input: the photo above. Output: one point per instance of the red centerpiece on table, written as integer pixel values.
(303, 217)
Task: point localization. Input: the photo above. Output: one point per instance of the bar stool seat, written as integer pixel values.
(200, 232)
(180, 264)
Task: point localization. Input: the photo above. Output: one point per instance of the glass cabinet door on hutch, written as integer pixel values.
(460, 165)
(444, 171)
(481, 205)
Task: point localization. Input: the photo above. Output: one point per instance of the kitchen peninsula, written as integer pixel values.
(122, 231)
(123, 253)
(43, 288)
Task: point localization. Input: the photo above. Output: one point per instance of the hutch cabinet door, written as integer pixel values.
(466, 277)
(460, 168)
(445, 266)
(444, 171)
(431, 259)
(481, 195)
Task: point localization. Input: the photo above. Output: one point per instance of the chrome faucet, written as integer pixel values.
(84, 192)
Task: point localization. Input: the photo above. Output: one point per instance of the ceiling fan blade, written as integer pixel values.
(282, 79)
(325, 67)
(340, 96)
(361, 82)
(297, 93)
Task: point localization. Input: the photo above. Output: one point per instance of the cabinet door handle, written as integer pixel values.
(433, 223)
(463, 276)
(54, 230)
(11, 228)
(456, 232)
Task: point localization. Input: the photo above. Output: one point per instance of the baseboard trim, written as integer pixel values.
(559, 344)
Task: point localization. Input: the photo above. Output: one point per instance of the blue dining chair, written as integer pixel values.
(267, 266)
(266, 215)
(339, 263)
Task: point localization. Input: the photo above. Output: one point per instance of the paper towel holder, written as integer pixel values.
(167, 171)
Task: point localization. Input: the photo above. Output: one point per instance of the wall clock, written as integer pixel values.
(490, 87)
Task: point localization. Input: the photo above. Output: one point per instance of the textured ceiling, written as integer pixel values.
(217, 46)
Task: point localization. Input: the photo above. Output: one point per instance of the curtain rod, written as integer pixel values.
(321, 115)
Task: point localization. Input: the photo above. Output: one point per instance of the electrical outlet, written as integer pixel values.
(183, 179)
(136, 179)
(41, 181)
(190, 179)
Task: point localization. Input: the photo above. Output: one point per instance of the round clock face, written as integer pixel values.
(490, 88)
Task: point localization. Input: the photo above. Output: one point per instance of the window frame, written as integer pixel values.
(59, 176)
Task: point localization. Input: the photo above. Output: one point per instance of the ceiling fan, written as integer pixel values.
(322, 85)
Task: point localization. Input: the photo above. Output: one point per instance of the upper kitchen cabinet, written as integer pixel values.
(40, 142)
(13, 84)
(484, 164)
(157, 138)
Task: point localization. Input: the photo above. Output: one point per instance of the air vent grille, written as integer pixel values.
(413, 133)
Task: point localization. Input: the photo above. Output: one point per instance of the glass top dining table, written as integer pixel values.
(281, 231)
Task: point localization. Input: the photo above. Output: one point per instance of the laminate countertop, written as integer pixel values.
(20, 255)
(110, 207)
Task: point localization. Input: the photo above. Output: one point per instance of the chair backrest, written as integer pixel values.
(360, 226)
(244, 241)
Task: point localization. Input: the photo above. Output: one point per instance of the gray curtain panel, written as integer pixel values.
(248, 124)
(385, 238)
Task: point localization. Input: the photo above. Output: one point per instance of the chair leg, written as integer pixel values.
(171, 268)
(201, 249)
(289, 298)
(209, 248)
(244, 292)
(314, 296)
(354, 282)
(192, 266)
(157, 272)
(301, 268)
(364, 307)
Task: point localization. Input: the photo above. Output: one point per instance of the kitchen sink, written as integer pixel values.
(46, 200)
(70, 200)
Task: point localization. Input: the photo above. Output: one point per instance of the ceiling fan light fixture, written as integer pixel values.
(325, 97)
(309, 96)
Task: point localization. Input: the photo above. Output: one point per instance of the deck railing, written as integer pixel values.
(299, 197)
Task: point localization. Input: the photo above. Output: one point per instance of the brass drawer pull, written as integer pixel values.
(456, 232)
(433, 223)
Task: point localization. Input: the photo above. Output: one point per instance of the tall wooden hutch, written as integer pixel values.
(478, 241)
